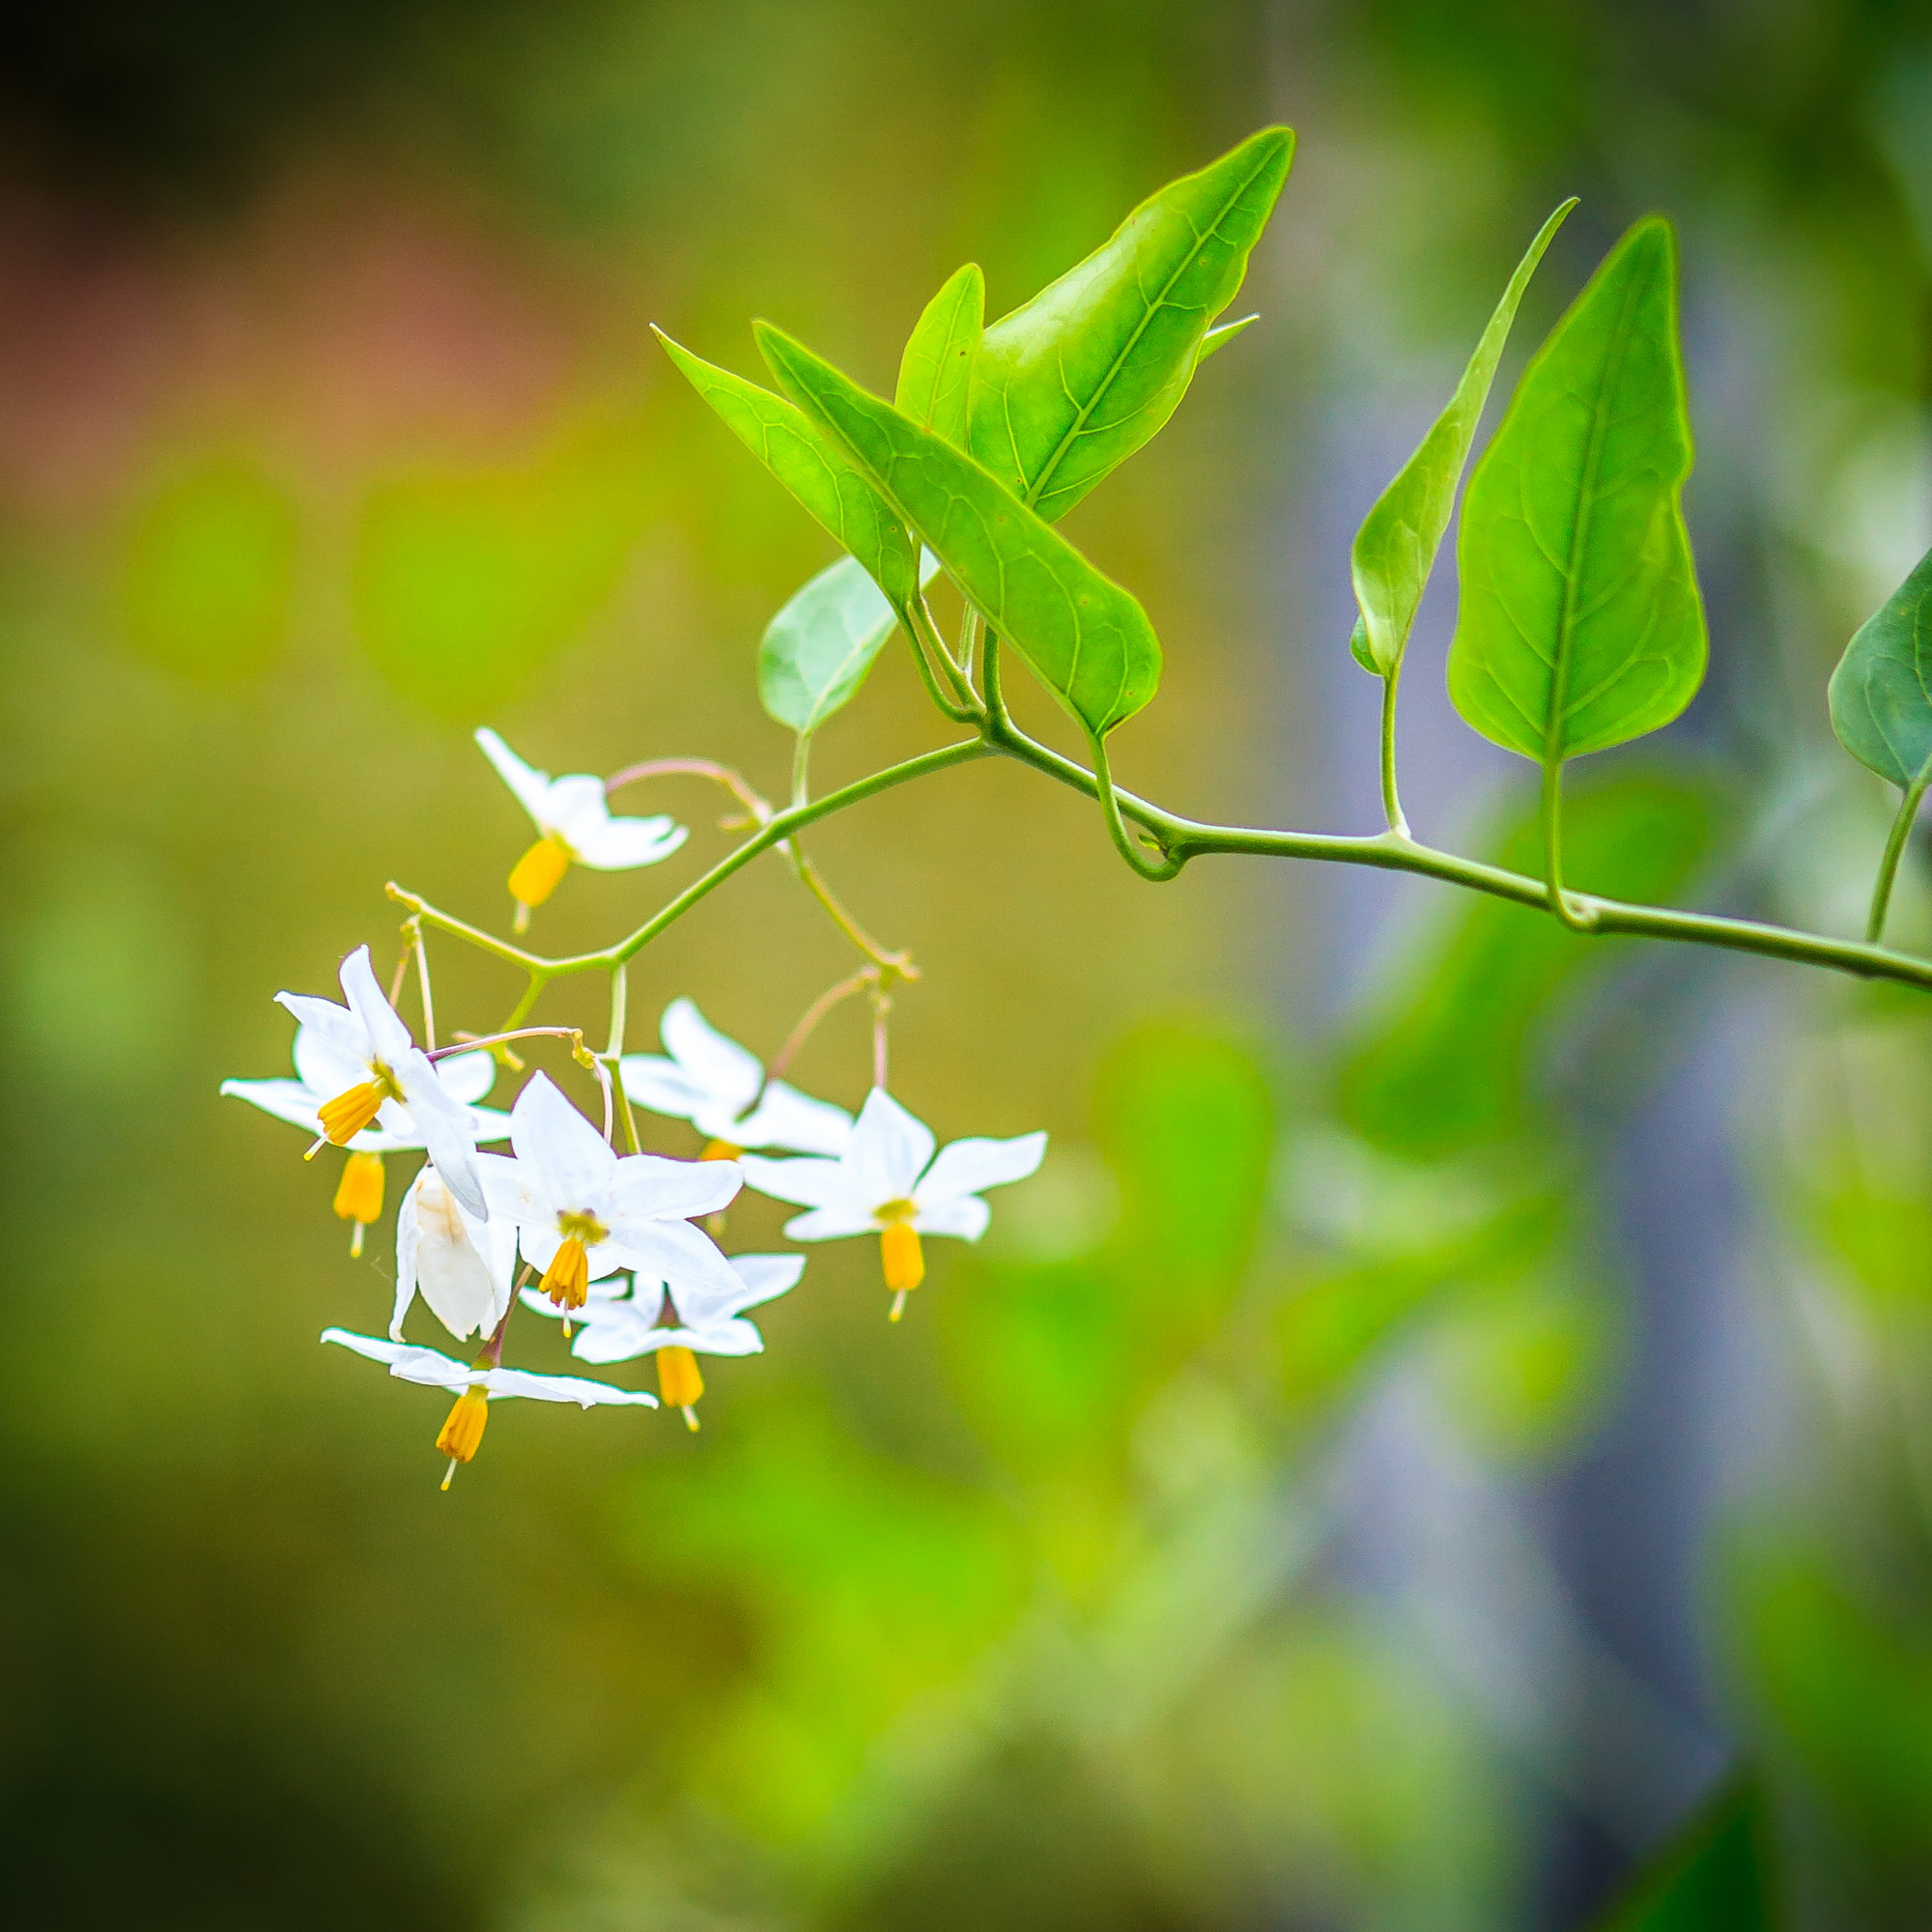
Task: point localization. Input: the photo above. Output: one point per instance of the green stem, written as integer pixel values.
(928, 648)
(1894, 850)
(1157, 871)
(1391, 800)
(620, 1001)
(1574, 914)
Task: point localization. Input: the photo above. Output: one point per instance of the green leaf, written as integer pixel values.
(1395, 549)
(828, 485)
(936, 370)
(1712, 1878)
(1881, 693)
(1220, 337)
(817, 651)
(1073, 383)
(1580, 624)
(1086, 639)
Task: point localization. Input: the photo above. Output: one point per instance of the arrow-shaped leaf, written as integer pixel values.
(1395, 549)
(1086, 639)
(815, 472)
(1580, 624)
(936, 370)
(817, 651)
(1881, 693)
(1070, 384)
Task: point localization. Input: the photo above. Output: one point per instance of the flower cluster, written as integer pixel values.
(564, 1225)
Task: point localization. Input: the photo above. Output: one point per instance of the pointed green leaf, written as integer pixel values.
(1220, 337)
(1073, 383)
(936, 370)
(1580, 624)
(828, 485)
(1713, 1876)
(1086, 639)
(817, 651)
(1881, 693)
(1395, 549)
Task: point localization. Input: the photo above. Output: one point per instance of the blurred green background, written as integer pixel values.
(1455, 1396)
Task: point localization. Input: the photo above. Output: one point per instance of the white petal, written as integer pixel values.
(287, 1099)
(649, 1187)
(508, 1189)
(724, 1070)
(406, 1361)
(450, 1270)
(467, 1076)
(728, 1336)
(677, 1252)
(785, 1118)
(811, 1182)
(584, 1393)
(530, 786)
(662, 1086)
(323, 1065)
(390, 1036)
(489, 1123)
(445, 1130)
(965, 1167)
(538, 1244)
(830, 1224)
(408, 1237)
(337, 1025)
(889, 1150)
(622, 845)
(620, 1336)
(964, 1214)
(765, 1277)
(569, 1165)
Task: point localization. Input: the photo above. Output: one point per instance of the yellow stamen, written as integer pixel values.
(535, 875)
(900, 1255)
(347, 1114)
(898, 1309)
(462, 1434)
(720, 1151)
(567, 1279)
(679, 1381)
(359, 1197)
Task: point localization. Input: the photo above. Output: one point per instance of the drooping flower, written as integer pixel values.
(466, 1077)
(720, 1089)
(676, 1325)
(461, 1266)
(363, 1057)
(479, 1383)
(886, 1182)
(583, 1211)
(574, 823)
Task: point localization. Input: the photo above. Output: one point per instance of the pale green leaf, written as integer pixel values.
(822, 480)
(1580, 623)
(1395, 549)
(1220, 337)
(1074, 382)
(1881, 693)
(1086, 639)
(936, 370)
(817, 651)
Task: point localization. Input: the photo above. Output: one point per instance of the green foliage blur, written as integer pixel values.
(333, 428)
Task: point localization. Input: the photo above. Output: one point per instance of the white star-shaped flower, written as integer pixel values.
(720, 1089)
(363, 1058)
(583, 1211)
(574, 823)
(888, 1182)
(479, 1383)
(622, 1322)
(461, 1266)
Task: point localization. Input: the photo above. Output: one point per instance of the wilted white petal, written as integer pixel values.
(448, 1259)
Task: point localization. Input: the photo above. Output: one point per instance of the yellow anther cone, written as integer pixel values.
(679, 1381)
(359, 1196)
(347, 1114)
(462, 1434)
(567, 1279)
(535, 875)
(902, 1258)
(720, 1151)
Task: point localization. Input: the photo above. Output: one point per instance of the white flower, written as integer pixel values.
(479, 1383)
(887, 1183)
(581, 1212)
(573, 822)
(722, 1090)
(363, 1057)
(460, 1265)
(620, 1326)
